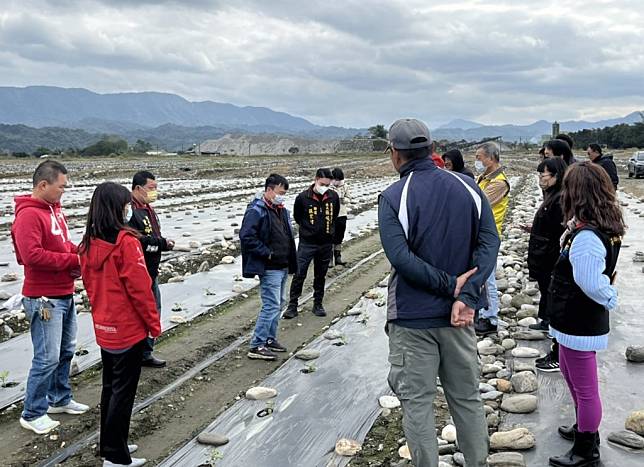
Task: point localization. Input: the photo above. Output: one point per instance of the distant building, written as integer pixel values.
(555, 128)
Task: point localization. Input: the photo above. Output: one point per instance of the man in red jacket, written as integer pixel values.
(42, 245)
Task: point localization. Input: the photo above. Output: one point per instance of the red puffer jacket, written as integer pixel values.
(120, 292)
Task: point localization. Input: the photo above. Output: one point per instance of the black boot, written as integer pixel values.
(584, 453)
(291, 311)
(337, 255)
(568, 432)
(318, 309)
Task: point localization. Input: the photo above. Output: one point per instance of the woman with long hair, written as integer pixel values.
(123, 311)
(581, 297)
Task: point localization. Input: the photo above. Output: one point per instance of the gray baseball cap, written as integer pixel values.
(409, 133)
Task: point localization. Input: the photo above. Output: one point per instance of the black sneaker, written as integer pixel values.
(291, 312)
(547, 364)
(540, 326)
(274, 346)
(261, 353)
(318, 310)
(484, 327)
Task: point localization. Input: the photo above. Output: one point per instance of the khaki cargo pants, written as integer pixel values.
(417, 357)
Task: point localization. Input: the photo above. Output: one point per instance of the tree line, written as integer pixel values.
(614, 137)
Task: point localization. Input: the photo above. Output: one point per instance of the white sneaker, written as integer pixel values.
(72, 408)
(41, 425)
(132, 448)
(136, 462)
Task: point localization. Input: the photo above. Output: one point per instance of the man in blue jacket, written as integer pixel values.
(268, 251)
(439, 235)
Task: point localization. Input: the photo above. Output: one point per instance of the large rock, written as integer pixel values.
(389, 402)
(488, 347)
(627, 438)
(635, 422)
(212, 439)
(635, 353)
(521, 299)
(448, 433)
(260, 393)
(347, 447)
(492, 395)
(525, 352)
(524, 381)
(522, 403)
(520, 438)
(508, 343)
(506, 459)
(307, 354)
(529, 335)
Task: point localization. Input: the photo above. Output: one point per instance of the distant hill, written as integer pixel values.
(40, 106)
(472, 131)
(21, 138)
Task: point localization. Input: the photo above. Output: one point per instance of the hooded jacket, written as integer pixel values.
(43, 246)
(119, 289)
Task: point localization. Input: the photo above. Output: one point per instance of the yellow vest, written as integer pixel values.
(500, 208)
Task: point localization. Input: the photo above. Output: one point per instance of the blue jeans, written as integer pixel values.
(492, 311)
(148, 345)
(272, 286)
(54, 342)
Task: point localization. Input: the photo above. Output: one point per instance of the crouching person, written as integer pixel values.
(123, 310)
(268, 251)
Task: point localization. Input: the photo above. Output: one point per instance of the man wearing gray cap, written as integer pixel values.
(438, 232)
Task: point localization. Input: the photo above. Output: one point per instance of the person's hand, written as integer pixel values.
(170, 244)
(462, 315)
(462, 279)
(526, 227)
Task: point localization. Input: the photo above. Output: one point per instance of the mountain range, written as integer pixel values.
(57, 117)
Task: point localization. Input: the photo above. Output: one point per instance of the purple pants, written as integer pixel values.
(579, 369)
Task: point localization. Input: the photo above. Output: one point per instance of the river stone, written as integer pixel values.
(332, 334)
(508, 343)
(506, 459)
(506, 300)
(307, 354)
(212, 439)
(458, 458)
(524, 381)
(527, 311)
(487, 347)
(503, 385)
(448, 433)
(635, 422)
(227, 260)
(521, 299)
(635, 353)
(203, 267)
(520, 438)
(522, 403)
(485, 387)
(490, 368)
(7, 331)
(525, 352)
(178, 319)
(347, 447)
(503, 374)
(529, 335)
(525, 322)
(403, 452)
(627, 438)
(493, 420)
(194, 244)
(9, 277)
(502, 285)
(389, 402)
(4, 295)
(260, 393)
(519, 365)
(492, 395)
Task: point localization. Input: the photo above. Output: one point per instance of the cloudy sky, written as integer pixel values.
(349, 62)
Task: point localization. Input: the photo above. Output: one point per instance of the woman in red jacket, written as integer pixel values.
(123, 311)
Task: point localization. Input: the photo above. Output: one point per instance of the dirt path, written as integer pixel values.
(174, 419)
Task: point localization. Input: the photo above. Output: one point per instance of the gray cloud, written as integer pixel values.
(351, 63)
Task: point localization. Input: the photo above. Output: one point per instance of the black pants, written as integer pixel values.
(148, 345)
(121, 374)
(544, 282)
(321, 257)
(340, 229)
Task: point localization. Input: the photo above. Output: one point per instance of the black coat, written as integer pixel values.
(547, 229)
(146, 222)
(315, 215)
(609, 166)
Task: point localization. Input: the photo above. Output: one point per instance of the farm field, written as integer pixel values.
(201, 206)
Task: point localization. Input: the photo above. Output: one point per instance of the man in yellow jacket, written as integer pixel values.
(496, 188)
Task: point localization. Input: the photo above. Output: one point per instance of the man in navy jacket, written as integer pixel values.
(268, 251)
(439, 235)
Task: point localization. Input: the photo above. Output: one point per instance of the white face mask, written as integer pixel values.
(321, 189)
(127, 214)
(279, 200)
(478, 165)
